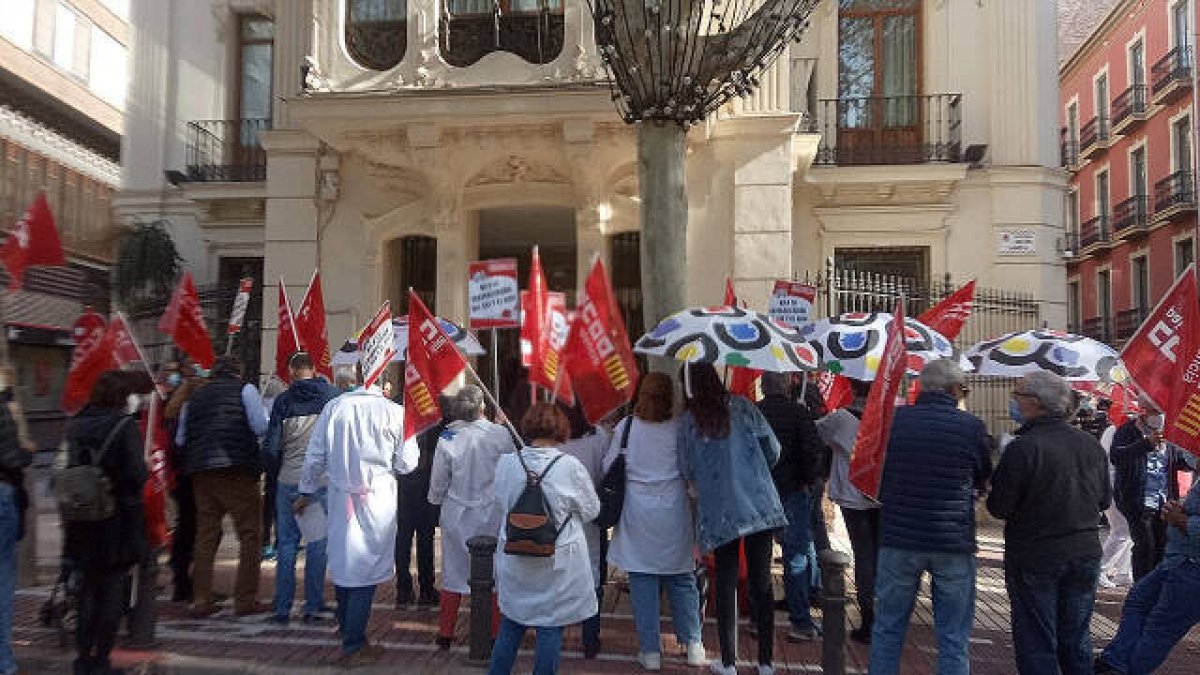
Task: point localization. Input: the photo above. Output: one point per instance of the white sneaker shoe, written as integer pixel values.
(695, 654)
(765, 669)
(650, 660)
(719, 668)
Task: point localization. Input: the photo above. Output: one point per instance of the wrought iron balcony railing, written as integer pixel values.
(1095, 233)
(1129, 109)
(1171, 76)
(1070, 244)
(1132, 216)
(1094, 135)
(1098, 328)
(226, 150)
(891, 130)
(1174, 195)
(1128, 321)
(1069, 150)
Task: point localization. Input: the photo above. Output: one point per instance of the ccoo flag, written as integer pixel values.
(286, 343)
(870, 446)
(92, 355)
(33, 241)
(310, 327)
(950, 315)
(597, 354)
(433, 363)
(184, 322)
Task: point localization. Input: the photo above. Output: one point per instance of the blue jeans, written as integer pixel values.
(353, 611)
(1159, 610)
(897, 581)
(798, 553)
(546, 653)
(1051, 614)
(685, 608)
(287, 533)
(9, 524)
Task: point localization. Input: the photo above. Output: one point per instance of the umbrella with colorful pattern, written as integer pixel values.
(1074, 357)
(852, 344)
(729, 336)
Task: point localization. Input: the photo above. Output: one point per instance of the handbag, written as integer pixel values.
(612, 486)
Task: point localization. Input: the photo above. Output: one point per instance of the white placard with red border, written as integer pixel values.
(493, 294)
(376, 345)
(792, 302)
(240, 302)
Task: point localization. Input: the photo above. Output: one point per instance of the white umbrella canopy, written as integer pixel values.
(466, 342)
(1074, 357)
(852, 344)
(729, 336)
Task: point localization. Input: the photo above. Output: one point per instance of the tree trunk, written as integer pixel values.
(661, 179)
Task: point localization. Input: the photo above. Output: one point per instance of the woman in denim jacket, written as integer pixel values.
(727, 451)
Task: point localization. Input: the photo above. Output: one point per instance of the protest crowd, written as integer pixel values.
(692, 479)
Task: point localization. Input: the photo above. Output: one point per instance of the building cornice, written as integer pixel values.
(1086, 48)
(38, 138)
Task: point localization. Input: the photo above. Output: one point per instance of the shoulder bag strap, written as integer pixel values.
(625, 433)
(112, 435)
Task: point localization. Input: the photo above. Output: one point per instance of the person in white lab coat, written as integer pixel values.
(464, 470)
(589, 450)
(544, 593)
(358, 442)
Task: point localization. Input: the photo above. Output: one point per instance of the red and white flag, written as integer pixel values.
(184, 322)
(286, 343)
(125, 346)
(33, 241)
(91, 356)
(241, 301)
(742, 381)
(950, 315)
(598, 356)
(835, 390)
(377, 345)
(310, 327)
(870, 446)
(433, 363)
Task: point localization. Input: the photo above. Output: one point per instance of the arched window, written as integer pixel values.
(531, 29)
(377, 32)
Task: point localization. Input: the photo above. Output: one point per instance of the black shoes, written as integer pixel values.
(428, 600)
(404, 598)
(862, 634)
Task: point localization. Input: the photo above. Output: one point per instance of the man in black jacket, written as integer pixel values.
(219, 429)
(416, 519)
(794, 474)
(1050, 488)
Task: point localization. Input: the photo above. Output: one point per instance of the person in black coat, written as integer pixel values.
(105, 551)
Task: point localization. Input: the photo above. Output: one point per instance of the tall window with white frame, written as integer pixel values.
(1181, 34)
(1137, 65)
(1139, 279)
(1073, 312)
(1102, 105)
(1184, 254)
(1072, 220)
(1104, 305)
(1135, 215)
(1103, 206)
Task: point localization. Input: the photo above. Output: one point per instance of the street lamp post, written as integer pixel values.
(671, 64)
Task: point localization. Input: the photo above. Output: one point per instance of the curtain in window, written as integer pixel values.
(378, 10)
(900, 71)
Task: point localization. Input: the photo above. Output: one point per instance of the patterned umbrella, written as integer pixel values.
(1074, 357)
(852, 344)
(467, 343)
(730, 336)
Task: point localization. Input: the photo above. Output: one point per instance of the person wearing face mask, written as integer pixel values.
(1144, 481)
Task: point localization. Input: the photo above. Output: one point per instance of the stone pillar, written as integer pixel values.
(590, 240)
(457, 245)
(150, 109)
(1024, 84)
(293, 36)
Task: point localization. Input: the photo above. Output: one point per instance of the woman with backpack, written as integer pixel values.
(103, 435)
(727, 450)
(654, 539)
(543, 572)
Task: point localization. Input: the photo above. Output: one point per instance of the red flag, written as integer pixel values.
(741, 380)
(184, 322)
(125, 346)
(377, 344)
(835, 390)
(285, 343)
(730, 295)
(950, 315)
(154, 491)
(536, 326)
(870, 446)
(433, 363)
(92, 355)
(237, 315)
(310, 327)
(598, 355)
(33, 241)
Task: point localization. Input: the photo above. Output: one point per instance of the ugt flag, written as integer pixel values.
(597, 355)
(33, 241)
(285, 343)
(870, 446)
(92, 355)
(950, 315)
(310, 327)
(433, 363)
(184, 322)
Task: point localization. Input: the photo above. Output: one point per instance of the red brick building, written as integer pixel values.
(1127, 141)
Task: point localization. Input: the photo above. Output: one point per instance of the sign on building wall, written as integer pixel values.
(493, 293)
(1017, 242)
(792, 302)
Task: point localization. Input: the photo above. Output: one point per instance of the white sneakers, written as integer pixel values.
(650, 660)
(695, 654)
(764, 669)
(719, 668)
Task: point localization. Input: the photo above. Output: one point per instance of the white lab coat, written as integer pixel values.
(1116, 560)
(464, 474)
(554, 591)
(358, 442)
(589, 450)
(655, 534)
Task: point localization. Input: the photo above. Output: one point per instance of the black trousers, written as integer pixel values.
(183, 542)
(1149, 534)
(100, 605)
(758, 568)
(416, 519)
(863, 527)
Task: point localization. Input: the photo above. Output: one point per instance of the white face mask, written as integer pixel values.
(132, 403)
(1155, 422)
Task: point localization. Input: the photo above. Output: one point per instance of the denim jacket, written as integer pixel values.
(1182, 545)
(732, 476)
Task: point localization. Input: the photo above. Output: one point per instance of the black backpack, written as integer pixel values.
(83, 491)
(529, 527)
(612, 486)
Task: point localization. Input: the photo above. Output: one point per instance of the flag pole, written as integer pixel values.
(492, 399)
(495, 364)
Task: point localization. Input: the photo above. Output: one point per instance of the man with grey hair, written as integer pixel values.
(1050, 488)
(937, 460)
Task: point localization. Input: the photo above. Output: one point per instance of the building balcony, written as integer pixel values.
(1171, 77)
(1174, 197)
(1095, 136)
(1097, 328)
(890, 130)
(1127, 323)
(1069, 154)
(1131, 218)
(226, 151)
(1095, 234)
(1069, 248)
(1129, 109)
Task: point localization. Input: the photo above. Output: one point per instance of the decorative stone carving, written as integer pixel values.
(235, 211)
(583, 67)
(516, 169)
(314, 79)
(223, 10)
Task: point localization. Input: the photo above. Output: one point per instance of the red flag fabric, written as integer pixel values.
(598, 355)
(125, 346)
(377, 345)
(237, 315)
(184, 322)
(433, 363)
(741, 380)
(536, 326)
(92, 355)
(835, 390)
(310, 327)
(33, 241)
(285, 343)
(950, 315)
(730, 299)
(870, 446)
(154, 491)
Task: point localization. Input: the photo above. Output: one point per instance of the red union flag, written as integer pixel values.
(741, 380)
(597, 354)
(870, 446)
(433, 363)
(240, 302)
(286, 343)
(376, 345)
(92, 355)
(310, 327)
(835, 390)
(184, 322)
(950, 315)
(33, 241)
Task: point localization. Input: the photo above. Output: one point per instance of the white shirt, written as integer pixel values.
(839, 429)
(589, 450)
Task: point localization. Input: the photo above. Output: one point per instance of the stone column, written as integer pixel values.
(1024, 90)
(293, 37)
(590, 241)
(457, 245)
